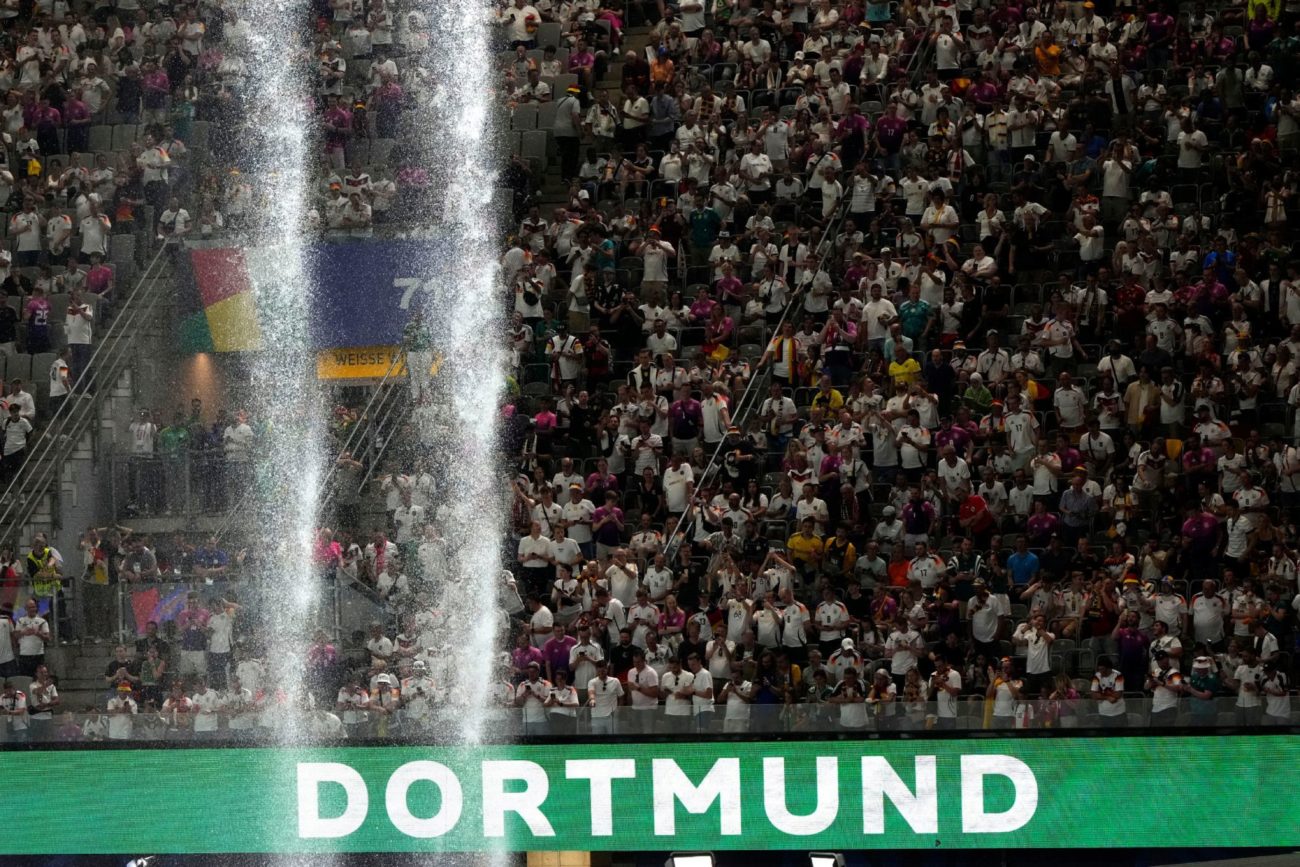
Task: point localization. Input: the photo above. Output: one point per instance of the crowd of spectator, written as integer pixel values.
(954, 344)
(875, 359)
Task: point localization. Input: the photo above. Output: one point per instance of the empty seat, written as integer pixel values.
(124, 136)
(546, 114)
(549, 33)
(533, 146)
(40, 368)
(101, 138)
(18, 367)
(560, 83)
(524, 117)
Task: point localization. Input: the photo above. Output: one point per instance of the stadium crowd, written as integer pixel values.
(878, 366)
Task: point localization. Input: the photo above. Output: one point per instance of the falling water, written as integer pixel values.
(455, 139)
(452, 128)
(286, 400)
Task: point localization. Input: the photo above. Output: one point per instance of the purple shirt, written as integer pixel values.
(918, 516)
(685, 418)
(890, 132)
(609, 534)
(556, 652)
(521, 656)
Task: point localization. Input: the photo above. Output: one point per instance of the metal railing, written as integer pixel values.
(39, 472)
(403, 410)
(374, 421)
(751, 397)
(244, 719)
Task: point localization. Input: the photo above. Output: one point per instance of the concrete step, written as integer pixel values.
(86, 667)
(82, 684)
(79, 700)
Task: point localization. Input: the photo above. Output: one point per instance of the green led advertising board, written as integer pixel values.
(955, 794)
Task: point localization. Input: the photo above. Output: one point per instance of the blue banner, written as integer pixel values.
(366, 291)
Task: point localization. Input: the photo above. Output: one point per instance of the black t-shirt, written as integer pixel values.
(687, 647)
(740, 470)
(8, 324)
(607, 296)
(859, 606)
(1056, 563)
(620, 659)
(110, 670)
(142, 646)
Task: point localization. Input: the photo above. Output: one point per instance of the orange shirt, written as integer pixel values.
(1049, 58)
(898, 573)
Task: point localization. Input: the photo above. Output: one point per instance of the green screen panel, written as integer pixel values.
(838, 795)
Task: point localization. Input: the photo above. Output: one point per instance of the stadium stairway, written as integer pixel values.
(552, 191)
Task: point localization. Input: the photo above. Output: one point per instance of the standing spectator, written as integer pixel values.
(78, 330)
(16, 431)
(33, 633)
(192, 623)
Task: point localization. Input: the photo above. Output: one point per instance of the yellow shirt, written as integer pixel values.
(905, 373)
(804, 548)
(828, 400)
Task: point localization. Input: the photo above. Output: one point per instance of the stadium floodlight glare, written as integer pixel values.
(689, 859)
(825, 859)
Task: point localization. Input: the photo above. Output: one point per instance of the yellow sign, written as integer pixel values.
(365, 362)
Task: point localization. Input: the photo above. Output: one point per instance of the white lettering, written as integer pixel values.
(601, 773)
(828, 797)
(527, 804)
(410, 284)
(974, 820)
(311, 825)
(919, 810)
(721, 784)
(451, 799)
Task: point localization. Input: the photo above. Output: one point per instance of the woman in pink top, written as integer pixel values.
(672, 620)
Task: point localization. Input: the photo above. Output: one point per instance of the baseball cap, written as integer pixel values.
(889, 510)
(1202, 662)
(846, 644)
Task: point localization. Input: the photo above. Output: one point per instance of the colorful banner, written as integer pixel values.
(1093, 793)
(363, 296)
(152, 605)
